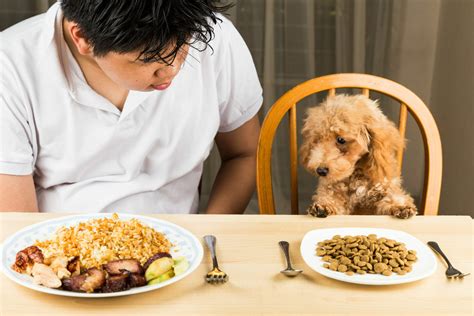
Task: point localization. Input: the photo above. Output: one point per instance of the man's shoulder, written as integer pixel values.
(25, 48)
(24, 33)
(224, 29)
(225, 38)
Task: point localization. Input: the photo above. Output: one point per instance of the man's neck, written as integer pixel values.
(94, 75)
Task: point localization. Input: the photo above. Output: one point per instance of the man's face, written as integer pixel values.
(131, 73)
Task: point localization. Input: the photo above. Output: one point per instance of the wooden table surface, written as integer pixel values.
(248, 251)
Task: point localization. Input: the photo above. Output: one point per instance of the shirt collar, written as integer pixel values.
(79, 90)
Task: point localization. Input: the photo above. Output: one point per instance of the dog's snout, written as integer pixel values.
(322, 171)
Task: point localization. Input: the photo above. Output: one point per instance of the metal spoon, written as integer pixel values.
(289, 271)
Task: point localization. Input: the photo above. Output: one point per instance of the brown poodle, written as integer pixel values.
(352, 146)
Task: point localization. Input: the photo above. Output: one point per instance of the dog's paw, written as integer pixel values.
(317, 210)
(403, 211)
(375, 194)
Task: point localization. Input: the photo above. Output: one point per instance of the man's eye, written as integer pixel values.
(340, 140)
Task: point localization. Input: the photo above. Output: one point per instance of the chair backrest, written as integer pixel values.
(409, 102)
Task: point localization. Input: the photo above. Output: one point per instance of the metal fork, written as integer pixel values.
(451, 272)
(215, 275)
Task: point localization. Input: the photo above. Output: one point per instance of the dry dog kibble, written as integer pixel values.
(342, 268)
(366, 254)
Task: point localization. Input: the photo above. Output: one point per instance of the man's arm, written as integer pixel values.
(17, 193)
(235, 181)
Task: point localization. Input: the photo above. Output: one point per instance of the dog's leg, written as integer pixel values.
(397, 203)
(327, 203)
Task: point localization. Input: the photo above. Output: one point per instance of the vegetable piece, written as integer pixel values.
(158, 267)
(181, 264)
(165, 276)
(155, 257)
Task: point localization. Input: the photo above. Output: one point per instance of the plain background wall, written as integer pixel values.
(452, 104)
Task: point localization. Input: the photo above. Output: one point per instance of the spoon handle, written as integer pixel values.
(285, 246)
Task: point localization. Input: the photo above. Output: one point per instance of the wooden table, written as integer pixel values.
(248, 251)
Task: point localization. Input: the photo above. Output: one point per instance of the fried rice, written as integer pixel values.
(98, 241)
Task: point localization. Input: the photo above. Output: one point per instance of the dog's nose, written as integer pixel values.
(322, 171)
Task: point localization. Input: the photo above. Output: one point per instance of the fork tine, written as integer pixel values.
(462, 275)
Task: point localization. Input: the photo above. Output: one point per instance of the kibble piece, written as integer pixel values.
(349, 272)
(342, 268)
(320, 252)
(345, 260)
(361, 271)
(387, 272)
(393, 263)
(378, 256)
(380, 267)
(326, 258)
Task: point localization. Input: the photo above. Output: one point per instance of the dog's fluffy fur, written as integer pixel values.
(362, 173)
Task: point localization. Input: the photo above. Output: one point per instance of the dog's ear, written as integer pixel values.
(310, 124)
(305, 148)
(385, 140)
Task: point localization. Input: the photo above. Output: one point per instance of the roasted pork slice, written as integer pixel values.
(116, 283)
(93, 279)
(74, 266)
(74, 283)
(26, 258)
(117, 267)
(136, 280)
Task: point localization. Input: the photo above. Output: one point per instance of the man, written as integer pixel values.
(115, 105)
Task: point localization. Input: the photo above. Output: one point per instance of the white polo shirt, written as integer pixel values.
(86, 155)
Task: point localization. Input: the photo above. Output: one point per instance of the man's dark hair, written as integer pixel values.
(150, 27)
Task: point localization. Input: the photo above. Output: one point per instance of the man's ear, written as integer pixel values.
(77, 36)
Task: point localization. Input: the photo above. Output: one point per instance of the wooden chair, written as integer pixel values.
(409, 102)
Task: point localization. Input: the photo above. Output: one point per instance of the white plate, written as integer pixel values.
(185, 244)
(422, 268)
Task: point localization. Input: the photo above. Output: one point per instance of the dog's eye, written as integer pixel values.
(340, 140)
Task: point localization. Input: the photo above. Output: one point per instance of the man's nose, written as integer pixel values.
(322, 171)
(169, 71)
